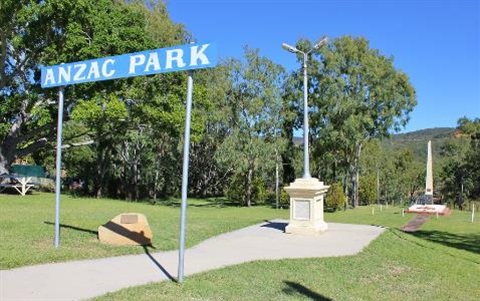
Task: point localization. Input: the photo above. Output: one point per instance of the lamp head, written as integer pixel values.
(289, 48)
(320, 43)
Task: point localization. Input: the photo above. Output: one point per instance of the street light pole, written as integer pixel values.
(306, 160)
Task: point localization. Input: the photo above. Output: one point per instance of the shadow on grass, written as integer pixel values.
(74, 228)
(138, 237)
(275, 225)
(162, 269)
(200, 203)
(467, 242)
(296, 288)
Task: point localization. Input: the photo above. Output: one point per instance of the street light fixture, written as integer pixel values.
(289, 48)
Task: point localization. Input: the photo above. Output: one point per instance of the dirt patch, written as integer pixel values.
(415, 223)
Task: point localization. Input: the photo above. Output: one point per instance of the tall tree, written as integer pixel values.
(57, 31)
(208, 177)
(357, 95)
(254, 102)
(461, 172)
(290, 122)
(52, 32)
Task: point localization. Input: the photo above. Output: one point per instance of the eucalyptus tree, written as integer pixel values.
(357, 95)
(461, 171)
(208, 177)
(51, 32)
(473, 155)
(107, 115)
(254, 105)
(291, 121)
(370, 167)
(56, 31)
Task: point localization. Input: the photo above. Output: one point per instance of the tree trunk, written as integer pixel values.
(248, 200)
(135, 174)
(378, 187)
(7, 155)
(155, 184)
(99, 176)
(277, 190)
(355, 175)
(4, 164)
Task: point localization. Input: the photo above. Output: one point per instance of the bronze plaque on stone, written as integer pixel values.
(129, 219)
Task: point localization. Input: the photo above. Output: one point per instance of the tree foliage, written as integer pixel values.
(461, 171)
(335, 198)
(245, 114)
(357, 95)
(254, 115)
(53, 32)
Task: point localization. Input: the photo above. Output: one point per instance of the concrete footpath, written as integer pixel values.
(78, 280)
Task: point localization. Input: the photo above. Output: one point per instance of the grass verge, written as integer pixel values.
(396, 266)
(27, 226)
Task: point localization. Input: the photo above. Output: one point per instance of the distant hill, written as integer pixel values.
(298, 141)
(425, 135)
(417, 141)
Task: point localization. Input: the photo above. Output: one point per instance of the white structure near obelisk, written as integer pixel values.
(425, 204)
(429, 178)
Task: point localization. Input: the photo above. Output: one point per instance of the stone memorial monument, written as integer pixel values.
(306, 207)
(126, 229)
(425, 203)
(429, 179)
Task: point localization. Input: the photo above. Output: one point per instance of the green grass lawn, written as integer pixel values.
(395, 266)
(440, 262)
(27, 226)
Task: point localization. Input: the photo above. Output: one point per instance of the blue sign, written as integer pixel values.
(184, 57)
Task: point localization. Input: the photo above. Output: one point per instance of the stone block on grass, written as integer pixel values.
(126, 229)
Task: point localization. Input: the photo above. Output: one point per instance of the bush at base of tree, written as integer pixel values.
(284, 199)
(237, 187)
(368, 189)
(335, 198)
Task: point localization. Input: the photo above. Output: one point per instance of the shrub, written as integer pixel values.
(284, 199)
(335, 198)
(367, 191)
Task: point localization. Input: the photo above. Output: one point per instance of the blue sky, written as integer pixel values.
(437, 43)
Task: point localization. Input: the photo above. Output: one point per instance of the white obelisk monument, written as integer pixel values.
(425, 204)
(429, 178)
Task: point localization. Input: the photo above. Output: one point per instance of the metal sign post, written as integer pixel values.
(58, 172)
(186, 150)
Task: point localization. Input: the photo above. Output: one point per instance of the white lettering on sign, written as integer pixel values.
(152, 62)
(183, 57)
(195, 55)
(93, 73)
(105, 64)
(136, 60)
(64, 73)
(49, 77)
(79, 71)
(174, 55)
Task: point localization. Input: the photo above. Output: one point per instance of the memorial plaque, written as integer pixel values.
(129, 219)
(302, 210)
(126, 229)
